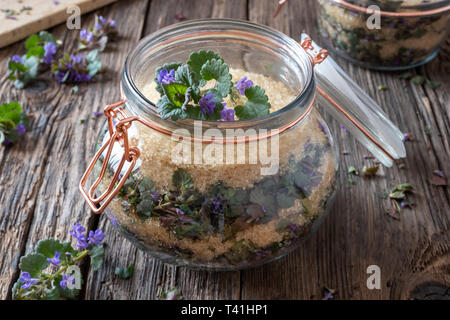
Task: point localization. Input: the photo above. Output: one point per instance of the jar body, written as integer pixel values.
(222, 195)
(234, 215)
(400, 42)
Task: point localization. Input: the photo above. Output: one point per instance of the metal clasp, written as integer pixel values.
(117, 134)
(316, 57)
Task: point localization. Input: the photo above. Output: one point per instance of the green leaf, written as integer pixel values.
(97, 254)
(196, 62)
(218, 70)
(284, 200)
(67, 293)
(10, 111)
(32, 64)
(257, 104)
(167, 109)
(177, 93)
(370, 171)
(53, 293)
(92, 56)
(418, 80)
(24, 119)
(94, 64)
(182, 180)
(37, 51)
(267, 202)
(32, 41)
(433, 84)
(33, 263)
(403, 187)
(352, 170)
(398, 195)
(124, 273)
(45, 36)
(47, 248)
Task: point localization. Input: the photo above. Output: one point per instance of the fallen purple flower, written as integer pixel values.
(27, 280)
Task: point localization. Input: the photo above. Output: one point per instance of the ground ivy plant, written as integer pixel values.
(47, 273)
(44, 54)
(13, 122)
(197, 90)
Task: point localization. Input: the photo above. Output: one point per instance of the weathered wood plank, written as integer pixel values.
(40, 175)
(152, 276)
(358, 233)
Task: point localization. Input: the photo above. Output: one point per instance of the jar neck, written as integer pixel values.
(253, 36)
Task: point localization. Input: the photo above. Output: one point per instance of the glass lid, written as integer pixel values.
(356, 110)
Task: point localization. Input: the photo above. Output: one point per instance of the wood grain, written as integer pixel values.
(39, 16)
(39, 177)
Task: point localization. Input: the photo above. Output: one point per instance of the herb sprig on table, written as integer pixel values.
(13, 122)
(44, 54)
(38, 282)
(187, 92)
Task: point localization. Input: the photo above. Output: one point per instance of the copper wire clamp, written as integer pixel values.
(118, 134)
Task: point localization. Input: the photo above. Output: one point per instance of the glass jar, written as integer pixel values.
(229, 195)
(407, 34)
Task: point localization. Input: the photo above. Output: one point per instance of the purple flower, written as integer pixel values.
(114, 221)
(20, 128)
(97, 114)
(27, 281)
(55, 260)
(112, 23)
(102, 20)
(86, 35)
(78, 233)
(60, 76)
(343, 128)
(244, 84)
(155, 196)
(76, 59)
(327, 295)
(166, 77)
(96, 237)
(7, 142)
(322, 128)
(179, 211)
(16, 58)
(206, 104)
(439, 173)
(227, 114)
(65, 280)
(50, 50)
(217, 205)
(406, 137)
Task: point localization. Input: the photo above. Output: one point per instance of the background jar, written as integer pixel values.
(255, 49)
(410, 33)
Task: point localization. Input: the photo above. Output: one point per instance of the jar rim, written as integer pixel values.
(148, 108)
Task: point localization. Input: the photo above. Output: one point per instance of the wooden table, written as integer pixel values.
(39, 177)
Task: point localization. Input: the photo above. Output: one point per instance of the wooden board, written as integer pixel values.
(39, 177)
(32, 16)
